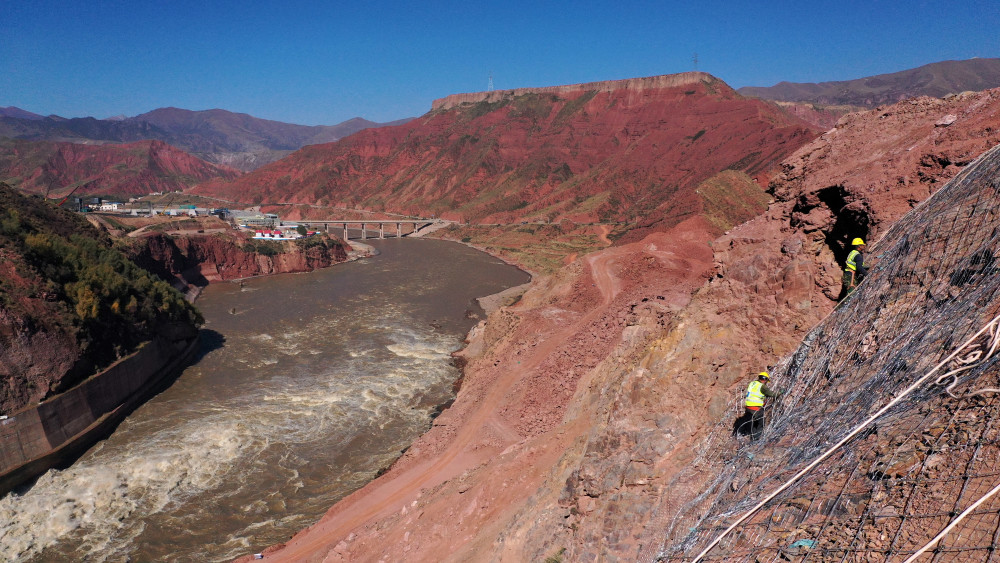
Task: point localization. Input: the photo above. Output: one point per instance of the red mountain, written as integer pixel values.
(131, 169)
(599, 151)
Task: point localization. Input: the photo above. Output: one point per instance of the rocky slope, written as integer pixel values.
(935, 79)
(584, 405)
(192, 262)
(608, 151)
(140, 168)
(898, 391)
(222, 137)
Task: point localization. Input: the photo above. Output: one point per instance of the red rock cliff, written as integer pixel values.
(579, 418)
(195, 261)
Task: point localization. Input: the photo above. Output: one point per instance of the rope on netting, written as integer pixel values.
(976, 355)
(952, 524)
(990, 327)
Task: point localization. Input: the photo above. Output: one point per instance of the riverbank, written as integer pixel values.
(56, 431)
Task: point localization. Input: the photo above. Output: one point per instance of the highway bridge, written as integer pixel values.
(409, 227)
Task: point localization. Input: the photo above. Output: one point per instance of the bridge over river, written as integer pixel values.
(407, 227)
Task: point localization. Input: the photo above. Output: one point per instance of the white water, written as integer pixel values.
(320, 382)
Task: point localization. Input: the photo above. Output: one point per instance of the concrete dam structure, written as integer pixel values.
(59, 429)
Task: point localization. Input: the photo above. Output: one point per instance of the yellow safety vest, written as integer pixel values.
(851, 266)
(755, 397)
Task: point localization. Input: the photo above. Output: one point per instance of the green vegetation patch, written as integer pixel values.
(264, 247)
(535, 107)
(571, 107)
(113, 304)
(732, 197)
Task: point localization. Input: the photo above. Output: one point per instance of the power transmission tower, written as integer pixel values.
(489, 88)
(695, 59)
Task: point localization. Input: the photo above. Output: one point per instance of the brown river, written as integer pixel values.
(308, 385)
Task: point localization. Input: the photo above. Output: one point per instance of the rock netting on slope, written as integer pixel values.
(776, 276)
(889, 490)
(605, 481)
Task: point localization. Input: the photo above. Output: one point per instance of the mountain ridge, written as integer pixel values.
(55, 169)
(936, 79)
(219, 136)
(607, 154)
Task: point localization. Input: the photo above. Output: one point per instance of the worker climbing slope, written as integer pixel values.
(752, 421)
(855, 268)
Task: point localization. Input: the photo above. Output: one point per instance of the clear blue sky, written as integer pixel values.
(324, 62)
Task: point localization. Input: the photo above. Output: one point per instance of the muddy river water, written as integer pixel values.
(307, 386)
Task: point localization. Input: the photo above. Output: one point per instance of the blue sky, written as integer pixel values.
(319, 63)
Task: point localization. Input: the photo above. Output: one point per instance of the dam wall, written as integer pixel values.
(62, 427)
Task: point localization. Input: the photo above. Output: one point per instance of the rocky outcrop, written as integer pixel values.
(636, 85)
(578, 428)
(887, 432)
(193, 262)
(69, 302)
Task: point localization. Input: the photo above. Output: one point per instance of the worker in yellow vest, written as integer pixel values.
(753, 417)
(855, 268)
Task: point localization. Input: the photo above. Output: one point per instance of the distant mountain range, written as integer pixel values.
(608, 151)
(935, 79)
(56, 169)
(236, 140)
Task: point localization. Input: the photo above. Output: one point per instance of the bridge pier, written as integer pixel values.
(399, 230)
(364, 231)
(381, 230)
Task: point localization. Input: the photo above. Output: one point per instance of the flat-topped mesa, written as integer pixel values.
(647, 83)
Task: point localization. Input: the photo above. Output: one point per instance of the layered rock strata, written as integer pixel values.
(575, 426)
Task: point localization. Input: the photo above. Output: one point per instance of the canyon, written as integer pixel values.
(589, 152)
(592, 415)
(583, 405)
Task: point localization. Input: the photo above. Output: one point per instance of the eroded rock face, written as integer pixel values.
(579, 426)
(140, 168)
(197, 261)
(610, 151)
(776, 276)
(915, 347)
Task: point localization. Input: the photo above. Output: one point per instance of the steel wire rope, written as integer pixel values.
(839, 496)
(995, 540)
(861, 391)
(868, 509)
(799, 385)
(952, 524)
(944, 264)
(917, 481)
(897, 399)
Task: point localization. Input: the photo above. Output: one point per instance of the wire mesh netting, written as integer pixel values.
(888, 432)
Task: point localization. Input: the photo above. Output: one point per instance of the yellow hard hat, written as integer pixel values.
(764, 374)
(857, 241)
